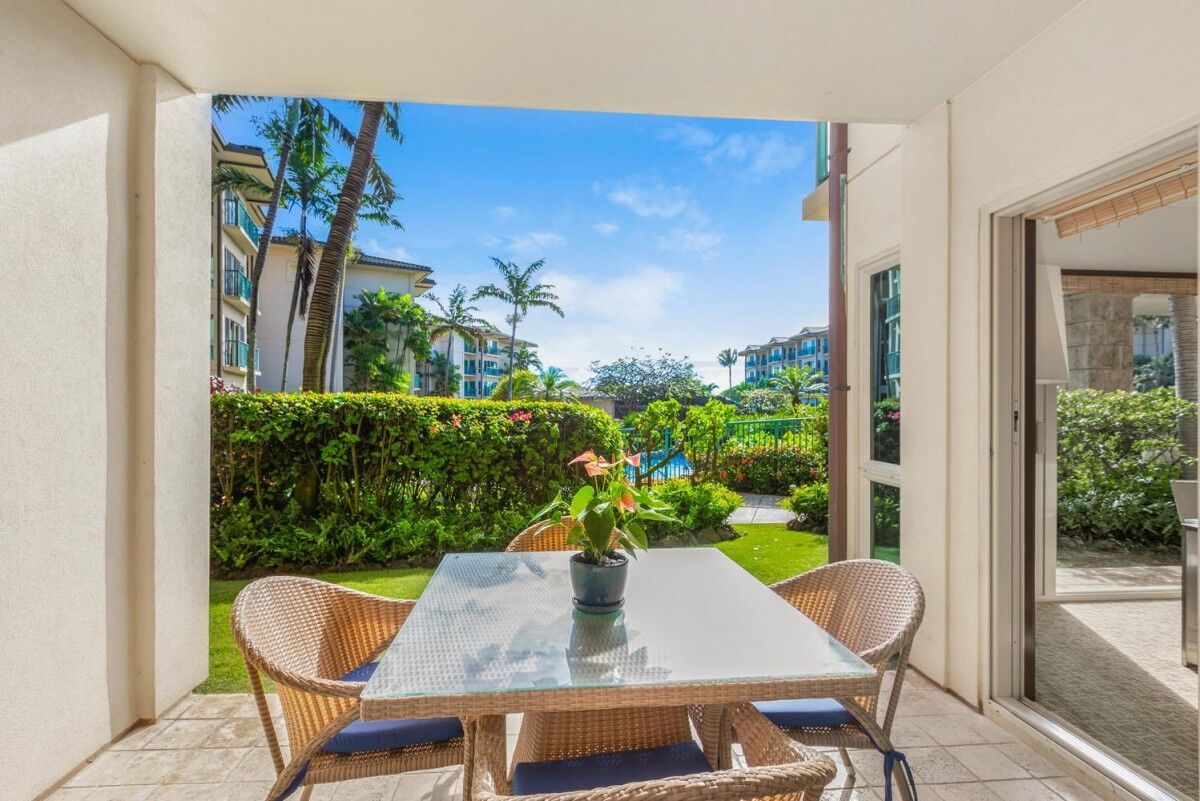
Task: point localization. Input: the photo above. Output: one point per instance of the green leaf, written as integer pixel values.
(581, 499)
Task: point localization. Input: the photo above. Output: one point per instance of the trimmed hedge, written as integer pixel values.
(346, 479)
(769, 470)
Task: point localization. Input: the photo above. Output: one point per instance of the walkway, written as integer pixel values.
(760, 509)
(211, 747)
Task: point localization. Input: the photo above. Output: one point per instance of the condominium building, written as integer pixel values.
(809, 348)
(237, 217)
(482, 360)
(277, 289)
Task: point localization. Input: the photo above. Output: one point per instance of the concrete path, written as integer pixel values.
(761, 509)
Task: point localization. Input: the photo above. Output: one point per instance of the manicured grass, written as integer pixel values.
(768, 551)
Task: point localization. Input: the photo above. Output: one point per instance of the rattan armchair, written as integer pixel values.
(317, 642)
(873, 608)
(640, 755)
(545, 535)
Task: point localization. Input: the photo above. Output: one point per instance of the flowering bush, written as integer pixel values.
(770, 470)
(342, 471)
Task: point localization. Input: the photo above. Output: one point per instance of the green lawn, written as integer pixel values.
(767, 550)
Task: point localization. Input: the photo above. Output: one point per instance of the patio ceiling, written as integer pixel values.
(846, 60)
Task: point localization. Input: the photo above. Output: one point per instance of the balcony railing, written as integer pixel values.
(891, 363)
(237, 355)
(493, 350)
(751, 361)
(470, 368)
(469, 391)
(776, 357)
(489, 370)
(470, 347)
(236, 214)
(892, 307)
(237, 285)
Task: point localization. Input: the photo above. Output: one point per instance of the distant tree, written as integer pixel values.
(444, 375)
(800, 383)
(522, 385)
(380, 333)
(526, 359)
(763, 402)
(636, 381)
(1153, 372)
(727, 359)
(456, 316)
(521, 291)
(550, 384)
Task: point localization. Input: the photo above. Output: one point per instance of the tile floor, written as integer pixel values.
(211, 747)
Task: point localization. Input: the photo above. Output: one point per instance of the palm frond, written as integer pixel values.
(223, 104)
(227, 177)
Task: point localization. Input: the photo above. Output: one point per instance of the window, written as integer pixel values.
(878, 409)
(885, 366)
(885, 522)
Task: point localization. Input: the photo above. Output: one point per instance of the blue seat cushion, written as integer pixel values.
(603, 770)
(382, 735)
(805, 713)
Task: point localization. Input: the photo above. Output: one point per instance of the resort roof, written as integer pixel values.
(369, 260)
(245, 157)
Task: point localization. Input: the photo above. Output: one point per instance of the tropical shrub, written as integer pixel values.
(765, 469)
(703, 432)
(885, 424)
(810, 503)
(763, 402)
(1117, 455)
(324, 480)
(696, 507)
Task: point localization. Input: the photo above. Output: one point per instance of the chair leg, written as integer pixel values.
(307, 792)
(846, 761)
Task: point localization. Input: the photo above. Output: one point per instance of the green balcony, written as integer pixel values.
(237, 221)
(237, 285)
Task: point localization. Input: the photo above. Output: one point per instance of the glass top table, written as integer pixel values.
(496, 633)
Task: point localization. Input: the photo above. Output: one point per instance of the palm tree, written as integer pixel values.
(322, 309)
(555, 386)
(727, 359)
(456, 316)
(526, 359)
(799, 383)
(522, 293)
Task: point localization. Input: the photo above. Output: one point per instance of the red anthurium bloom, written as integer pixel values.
(586, 456)
(635, 459)
(594, 468)
(626, 502)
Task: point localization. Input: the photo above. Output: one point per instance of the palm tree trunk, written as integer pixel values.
(1183, 320)
(301, 258)
(325, 290)
(264, 241)
(449, 350)
(730, 376)
(512, 352)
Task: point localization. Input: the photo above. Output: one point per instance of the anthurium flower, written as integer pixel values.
(595, 468)
(626, 502)
(586, 456)
(634, 459)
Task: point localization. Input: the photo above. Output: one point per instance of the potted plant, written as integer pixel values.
(605, 515)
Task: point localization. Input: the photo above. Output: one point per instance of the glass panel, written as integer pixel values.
(504, 622)
(885, 522)
(885, 366)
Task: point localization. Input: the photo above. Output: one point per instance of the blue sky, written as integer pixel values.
(658, 232)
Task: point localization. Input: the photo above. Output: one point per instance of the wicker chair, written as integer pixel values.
(873, 608)
(316, 641)
(640, 755)
(546, 535)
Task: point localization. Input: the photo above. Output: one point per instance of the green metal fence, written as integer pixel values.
(665, 462)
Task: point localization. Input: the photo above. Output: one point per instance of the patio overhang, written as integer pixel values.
(775, 59)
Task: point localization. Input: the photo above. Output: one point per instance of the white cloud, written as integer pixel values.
(635, 297)
(757, 156)
(373, 247)
(504, 213)
(688, 135)
(606, 228)
(533, 242)
(692, 240)
(649, 198)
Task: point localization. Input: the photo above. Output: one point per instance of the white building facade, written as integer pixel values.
(482, 360)
(809, 348)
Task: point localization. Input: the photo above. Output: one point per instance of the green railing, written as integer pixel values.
(470, 347)
(237, 284)
(822, 151)
(496, 371)
(236, 214)
(892, 307)
(892, 363)
(493, 350)
(237, 354)
(666, 463)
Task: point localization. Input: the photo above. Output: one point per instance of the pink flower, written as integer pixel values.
(456, 420)
(586, 456)
(635, 459)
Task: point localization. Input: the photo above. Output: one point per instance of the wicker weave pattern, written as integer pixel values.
(779, 768)
(546, 535)
(304, 634)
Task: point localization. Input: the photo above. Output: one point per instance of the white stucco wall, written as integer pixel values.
(82, 536)
(1041, 117)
